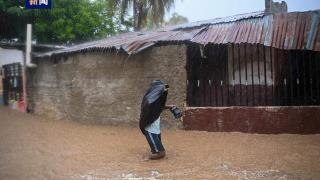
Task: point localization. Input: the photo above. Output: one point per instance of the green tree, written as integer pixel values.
(177, 19)
(73, 21)
(69, 21)
(12, 18)
(144, 10)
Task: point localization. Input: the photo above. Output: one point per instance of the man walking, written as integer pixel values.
(153, 103)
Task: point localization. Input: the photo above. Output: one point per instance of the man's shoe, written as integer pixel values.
(158, 155)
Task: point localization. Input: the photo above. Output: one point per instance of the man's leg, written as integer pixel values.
(155, 144)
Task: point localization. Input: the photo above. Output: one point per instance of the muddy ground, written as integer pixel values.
(32, 147)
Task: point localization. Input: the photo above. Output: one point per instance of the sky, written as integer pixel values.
(197, 10)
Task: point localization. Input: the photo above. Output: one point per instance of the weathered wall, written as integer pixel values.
(104, 87)
(266, 120)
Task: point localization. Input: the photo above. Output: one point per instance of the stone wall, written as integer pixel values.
(105, 87)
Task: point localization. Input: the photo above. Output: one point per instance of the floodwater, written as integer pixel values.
(32, 147)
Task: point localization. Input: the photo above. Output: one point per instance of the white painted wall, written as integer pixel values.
(8, 56)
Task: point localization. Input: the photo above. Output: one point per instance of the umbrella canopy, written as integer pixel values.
(152, 104)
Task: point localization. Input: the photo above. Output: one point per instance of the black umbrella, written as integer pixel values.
(152, 104)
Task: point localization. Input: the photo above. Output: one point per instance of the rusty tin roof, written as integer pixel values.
(295, 30)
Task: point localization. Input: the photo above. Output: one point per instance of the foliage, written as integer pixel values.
(145, 12)
(177, 19)
(68, 21)
(73, 20)
(12, 17)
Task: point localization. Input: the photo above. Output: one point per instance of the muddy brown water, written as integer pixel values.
(33, 147)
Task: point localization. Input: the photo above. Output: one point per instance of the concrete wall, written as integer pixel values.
(104, 87)
(266, 120)
(8, 56)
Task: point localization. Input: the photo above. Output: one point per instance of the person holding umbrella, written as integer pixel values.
(153, 103)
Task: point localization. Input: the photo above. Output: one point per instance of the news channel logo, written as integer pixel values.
(38, 4)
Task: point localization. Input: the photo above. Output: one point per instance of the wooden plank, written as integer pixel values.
(239, 73)
(265, 76)
(272, 76)
(226, 59)
(310, 77)
(304, 79)
(249, 88)
(261, 67)
(317, 59)
(244, 50)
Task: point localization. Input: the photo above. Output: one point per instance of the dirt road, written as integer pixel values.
(32, 147)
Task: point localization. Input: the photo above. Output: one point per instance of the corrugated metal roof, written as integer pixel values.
(220, 20)
(296, 30)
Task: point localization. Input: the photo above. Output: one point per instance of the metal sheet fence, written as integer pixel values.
(12, 82)
(252, 75)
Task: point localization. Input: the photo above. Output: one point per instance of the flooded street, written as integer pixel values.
(32, 147)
